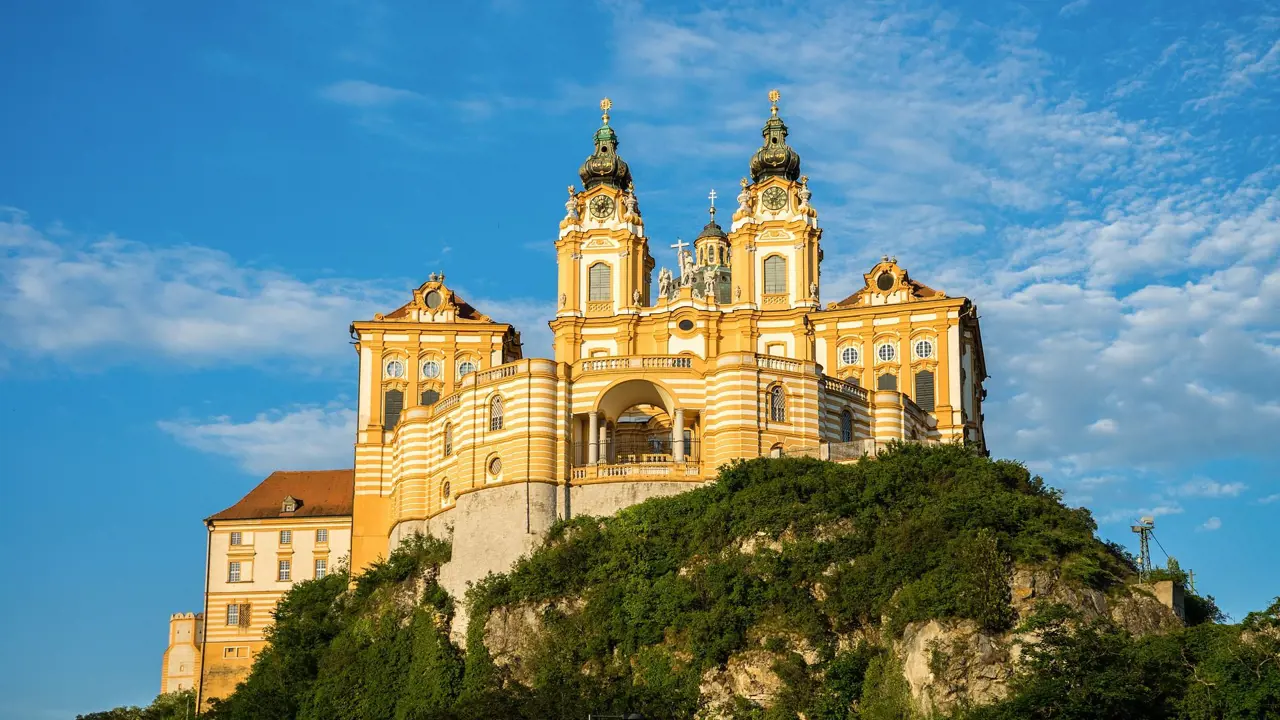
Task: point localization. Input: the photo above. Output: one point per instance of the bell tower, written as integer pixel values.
(774, 238)
(602, 252)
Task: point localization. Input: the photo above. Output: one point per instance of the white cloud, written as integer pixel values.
(1203, 487)
(305, 438)
(1075, 7)
(1269, 499)
(1213, 523)
(362, 94)
(1106, 426)
(1132, 515)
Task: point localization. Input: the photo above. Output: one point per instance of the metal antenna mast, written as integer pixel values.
(1143, 528)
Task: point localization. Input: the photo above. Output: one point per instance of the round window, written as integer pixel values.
(431, 369)
(849, 356)
(887, 352)
(433, 299)
(395, 369)
(466, 368)
(686, 325)
(924, 349)
(885, 281)
(495, 466)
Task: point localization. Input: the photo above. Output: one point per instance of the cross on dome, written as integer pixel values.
(679, 246)
(712, 196)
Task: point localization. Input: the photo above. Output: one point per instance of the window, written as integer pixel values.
(599, 282)
(233, 614)
(465, 368)
(286, 537)
(887, 352)
(884, 282)
(495, 413)
(887, 381)
(322, 536)
(924, 390)
(322, 568)
(775, 275)
(289, 504)
(394, 369)
(849, 356)
(495, 466)
(924, 349)
(233, 572)
(777, 404)
(429, 397)
(431, 369)
(448, 440)
(846, 426)
(235, 652)
(392, 405)
(446, 490)
(236, 538)
(286, 571)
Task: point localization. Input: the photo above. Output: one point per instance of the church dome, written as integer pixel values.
(775, 158)
(604, 167)
(712, 230)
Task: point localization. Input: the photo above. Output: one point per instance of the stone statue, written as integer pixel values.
(813, 290)
(563, 299)
(635, 297)
(709, 286)
(804, 193)
(665, 285)
(737, 293)
(571, 206)
(629, 200)
(744, 198)
(686, 266)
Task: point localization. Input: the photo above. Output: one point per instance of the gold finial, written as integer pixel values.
(774, 96)
(605, 105)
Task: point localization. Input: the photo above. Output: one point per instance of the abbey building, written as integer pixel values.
(658, 378)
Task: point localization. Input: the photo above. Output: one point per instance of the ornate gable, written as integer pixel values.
(887, 284)
(434, 302)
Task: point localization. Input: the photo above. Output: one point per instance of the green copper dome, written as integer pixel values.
(775, 158)
(604, 167)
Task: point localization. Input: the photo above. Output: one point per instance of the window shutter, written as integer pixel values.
(924, 390)
(775, 275)
(429, 397)
(599, 281)
(246, 611)
(888, 381)
(392, 406)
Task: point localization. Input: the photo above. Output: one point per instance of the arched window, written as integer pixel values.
(846, 426)
(495, 413)
(392, 404)
(777, 404)
(429, 397)
(448, 440)
(599, 284)
(887, 381)
(924, 390)
(775, 275)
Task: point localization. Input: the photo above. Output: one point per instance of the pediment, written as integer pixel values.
(433, 301)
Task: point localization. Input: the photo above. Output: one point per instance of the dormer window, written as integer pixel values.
(885, 281)
(289, 505)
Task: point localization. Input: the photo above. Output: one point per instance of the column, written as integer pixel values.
(593, 438)
(677, 436)
(606, 444)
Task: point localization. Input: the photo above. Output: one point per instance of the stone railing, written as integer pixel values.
(680, 362)
(639, 471)
(444, 405)
(498, 373)
(830, 384)
(838, 451)
(769, 362)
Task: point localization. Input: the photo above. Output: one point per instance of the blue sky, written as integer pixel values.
(198, 199)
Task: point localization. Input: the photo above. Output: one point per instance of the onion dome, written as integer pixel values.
(604, 167)
(775, 158)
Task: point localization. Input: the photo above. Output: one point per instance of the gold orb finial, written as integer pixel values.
(605, 106)
(774, 96)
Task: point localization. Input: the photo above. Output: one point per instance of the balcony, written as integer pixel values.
(642, 469)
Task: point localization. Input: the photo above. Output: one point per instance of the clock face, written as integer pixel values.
(774, 198)
(602, 206)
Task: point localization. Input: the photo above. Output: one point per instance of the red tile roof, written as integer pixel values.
(320, 493)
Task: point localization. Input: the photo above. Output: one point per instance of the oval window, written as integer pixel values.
(495, 466)
(686, 325)
(433, 299)
(884, 282)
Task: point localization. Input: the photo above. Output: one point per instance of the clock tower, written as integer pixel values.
(602, 254)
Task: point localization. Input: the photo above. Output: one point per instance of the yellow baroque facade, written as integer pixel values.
(653, 385)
